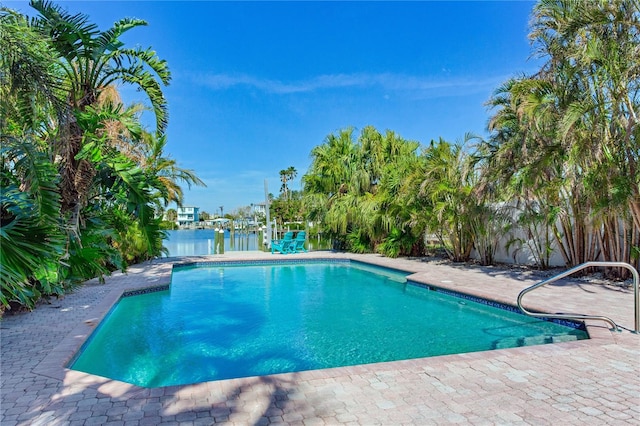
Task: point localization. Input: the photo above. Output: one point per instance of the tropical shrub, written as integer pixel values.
(31, 236)
(567, 136)
(81, 180)
(348, 187)
(448, 187)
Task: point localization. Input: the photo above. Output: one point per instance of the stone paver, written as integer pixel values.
(594, 381)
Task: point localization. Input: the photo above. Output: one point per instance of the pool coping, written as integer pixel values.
(55, 364)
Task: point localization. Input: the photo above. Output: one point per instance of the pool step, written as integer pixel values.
(514, 342)
(564, 338)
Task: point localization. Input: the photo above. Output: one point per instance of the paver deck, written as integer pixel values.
(595, 381)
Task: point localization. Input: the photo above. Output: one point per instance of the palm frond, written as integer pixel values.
(108, 41)
(69, 34)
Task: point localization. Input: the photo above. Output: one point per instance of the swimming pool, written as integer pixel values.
(221, 321)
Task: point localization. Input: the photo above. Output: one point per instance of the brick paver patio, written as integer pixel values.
(593, 382)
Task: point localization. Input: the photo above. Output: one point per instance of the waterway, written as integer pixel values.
(198, 242)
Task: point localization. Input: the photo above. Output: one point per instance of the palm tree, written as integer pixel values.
(287, 175)
(164, 171)
(58, 110)
(332, 184)
(448, 185)
(91, 61)
(577, 118)
(29, 84)
(564, 141)
(121, 197)
(349, 188)
(172, 215)
(525, 165)
(402, 212)
(31, 239)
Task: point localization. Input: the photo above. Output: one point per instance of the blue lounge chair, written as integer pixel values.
(298, 244)
(283, 245)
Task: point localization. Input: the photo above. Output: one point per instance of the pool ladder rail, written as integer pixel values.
(614, 326)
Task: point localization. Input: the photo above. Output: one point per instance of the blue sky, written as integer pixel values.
(256, 85)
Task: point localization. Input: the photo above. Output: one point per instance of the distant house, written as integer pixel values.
(259, 208)
(188, 215)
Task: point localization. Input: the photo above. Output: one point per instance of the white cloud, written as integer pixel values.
(226, 81)
(386, 81)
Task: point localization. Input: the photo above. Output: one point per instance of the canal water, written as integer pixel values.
(200, 242)
(197, 242)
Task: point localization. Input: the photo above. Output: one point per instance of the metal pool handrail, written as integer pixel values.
(614, 326)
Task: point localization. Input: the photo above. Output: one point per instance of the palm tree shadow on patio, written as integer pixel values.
(252, 401)
(531, 273)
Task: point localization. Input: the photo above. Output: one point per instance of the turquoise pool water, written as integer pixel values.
(236, 321)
